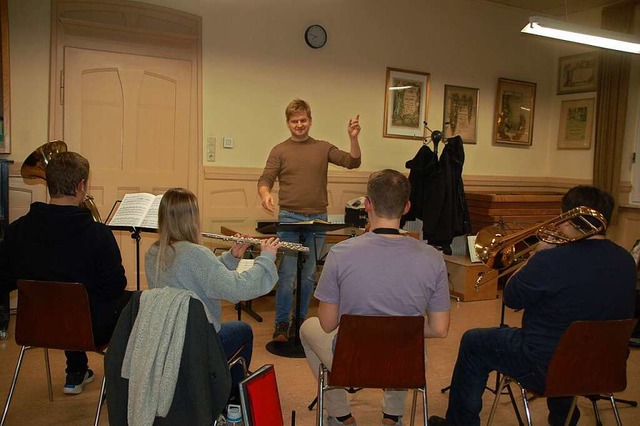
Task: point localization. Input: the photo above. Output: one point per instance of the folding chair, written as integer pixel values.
(377, 352)
(65, 325)
(590, 359)
(260, 398)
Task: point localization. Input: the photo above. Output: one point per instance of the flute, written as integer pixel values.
(284, 244)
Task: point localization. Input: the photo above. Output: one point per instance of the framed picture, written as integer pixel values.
(460, 113)
(576, 123)
(578, 73)
(515, 104)
(406, 97)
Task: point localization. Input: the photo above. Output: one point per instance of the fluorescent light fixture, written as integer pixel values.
(400, 87)
(552, 28)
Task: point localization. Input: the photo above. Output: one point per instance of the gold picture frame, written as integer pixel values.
(515, 107)
(460, 115)
(578, 73)
(406, 101)
(576, 123)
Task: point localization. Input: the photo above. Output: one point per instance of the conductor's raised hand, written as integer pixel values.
(267, 202)
(354, 127)
(238, 249)
(270, 245)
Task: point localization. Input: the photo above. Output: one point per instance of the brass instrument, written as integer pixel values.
(284, 244)
(34, 167)
(507, 252)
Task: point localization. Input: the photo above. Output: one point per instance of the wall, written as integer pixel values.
(255, 61)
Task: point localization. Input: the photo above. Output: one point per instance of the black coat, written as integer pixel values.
(204, 381)
(437, 193)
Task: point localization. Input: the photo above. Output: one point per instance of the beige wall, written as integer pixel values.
(255, 61)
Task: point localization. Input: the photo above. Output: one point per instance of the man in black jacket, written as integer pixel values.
(60, 241)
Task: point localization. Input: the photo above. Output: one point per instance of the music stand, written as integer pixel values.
(293, 348)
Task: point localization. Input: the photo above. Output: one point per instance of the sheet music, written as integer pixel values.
(471, 240)
(151, 219)
(244, 265)
(132, 209)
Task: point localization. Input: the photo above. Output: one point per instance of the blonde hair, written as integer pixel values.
(178, 220)
(296, 106)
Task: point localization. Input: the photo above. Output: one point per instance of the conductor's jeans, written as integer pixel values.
(318, 347)
(483, 350)
(288, 267)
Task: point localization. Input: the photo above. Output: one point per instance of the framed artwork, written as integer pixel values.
(460, 113)
(578, 73)
(406, 98)
(576, 123)
(515, 104)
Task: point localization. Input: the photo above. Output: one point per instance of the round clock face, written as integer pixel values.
(315, 36)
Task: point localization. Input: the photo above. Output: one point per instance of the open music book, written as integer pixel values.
(139, 210)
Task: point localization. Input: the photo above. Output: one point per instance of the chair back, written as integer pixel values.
(260, 398)
(54, 315)
(379, 352)
(591, 358)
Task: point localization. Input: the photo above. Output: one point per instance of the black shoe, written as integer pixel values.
(437, 421)
(75, 382)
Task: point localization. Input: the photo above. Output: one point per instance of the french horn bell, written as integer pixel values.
(35, 166)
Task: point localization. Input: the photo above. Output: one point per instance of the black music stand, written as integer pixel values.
(135, 235)
(293, 347)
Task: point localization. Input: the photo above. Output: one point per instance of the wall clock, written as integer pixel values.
(315, 36)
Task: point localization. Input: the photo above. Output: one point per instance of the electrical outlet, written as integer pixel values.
(227, 143)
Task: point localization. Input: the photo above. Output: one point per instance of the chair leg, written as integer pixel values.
(103, 396)
(615, 409)
(321, 379)
(596, 412)
(501, 386)
(571, 410)
(13, 385)
(48, 369)
(424, 405)
(525, 400)
(413, 406)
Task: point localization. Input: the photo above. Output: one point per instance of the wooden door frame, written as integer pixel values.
(89, 24)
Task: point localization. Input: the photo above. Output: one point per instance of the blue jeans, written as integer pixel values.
(232, 335)
(483, 350)
(288, 267)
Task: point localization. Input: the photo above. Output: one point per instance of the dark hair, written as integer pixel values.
(64, 172)
(589, 196)
(388, 190)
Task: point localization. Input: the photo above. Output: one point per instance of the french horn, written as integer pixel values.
(35, 166)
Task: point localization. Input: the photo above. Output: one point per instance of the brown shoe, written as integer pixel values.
(281, 332)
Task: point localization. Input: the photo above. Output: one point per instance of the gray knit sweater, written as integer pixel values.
(212, 278)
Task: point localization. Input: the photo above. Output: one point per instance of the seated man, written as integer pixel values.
(378, 273)
(590, 279)
(60, 241)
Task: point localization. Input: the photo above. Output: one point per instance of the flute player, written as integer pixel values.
(178, 260)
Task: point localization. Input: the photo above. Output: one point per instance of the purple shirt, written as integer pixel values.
(375, 275)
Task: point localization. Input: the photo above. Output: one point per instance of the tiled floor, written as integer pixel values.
(297, 386)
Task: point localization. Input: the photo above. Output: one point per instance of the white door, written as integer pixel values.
(131, 117)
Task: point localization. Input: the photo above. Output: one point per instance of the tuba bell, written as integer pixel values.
(35, 166)
(507, 252)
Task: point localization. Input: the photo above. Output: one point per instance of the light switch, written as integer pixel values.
(227, 143)
(211, 149)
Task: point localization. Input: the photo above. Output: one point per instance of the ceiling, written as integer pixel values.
(555, 7)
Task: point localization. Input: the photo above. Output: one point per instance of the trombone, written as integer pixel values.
(506, 253)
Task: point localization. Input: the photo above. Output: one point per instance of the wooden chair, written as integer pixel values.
(377, 352)
(260, 398)
(53, 315)
(590, 359)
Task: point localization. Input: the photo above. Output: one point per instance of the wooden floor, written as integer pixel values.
(296, 384)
